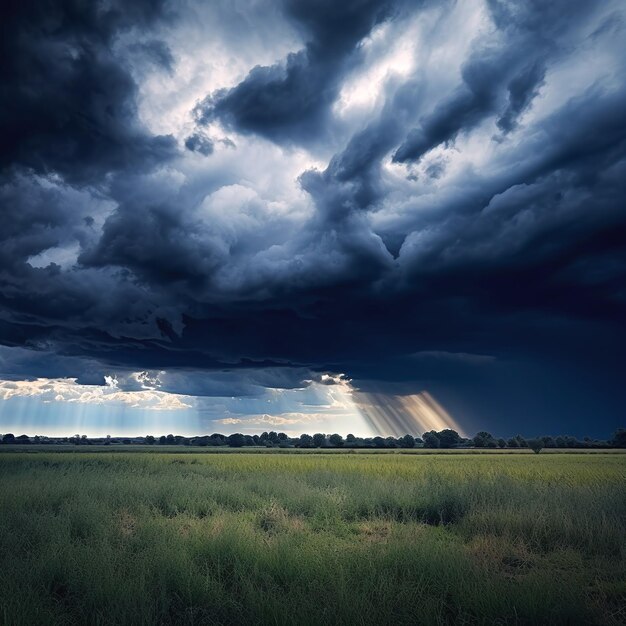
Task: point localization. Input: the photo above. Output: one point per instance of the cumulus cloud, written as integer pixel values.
(68, 390)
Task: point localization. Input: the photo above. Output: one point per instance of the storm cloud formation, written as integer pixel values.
(415, 196)
(290, 100)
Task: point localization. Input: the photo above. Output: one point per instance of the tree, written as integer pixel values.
(336, 440)
(236, 440)
(502, 443)
(162, 440)
(379, 442)
(448, 438)
(150, 440)
(572, 442)
(536, 445)
(350, 438)
(408, 441)
(482, 439)
(431, 440)
(306, 441)
(619, 438)
(273, 436)
(319, 439)
(512, 443)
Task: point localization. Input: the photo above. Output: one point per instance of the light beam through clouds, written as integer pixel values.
(398, 415)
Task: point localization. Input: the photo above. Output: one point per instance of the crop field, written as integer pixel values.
(166, 538)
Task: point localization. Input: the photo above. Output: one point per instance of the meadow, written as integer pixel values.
(245, 538)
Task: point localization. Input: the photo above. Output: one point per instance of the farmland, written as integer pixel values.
(162, 537)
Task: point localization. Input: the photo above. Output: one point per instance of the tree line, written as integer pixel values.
(446, 439)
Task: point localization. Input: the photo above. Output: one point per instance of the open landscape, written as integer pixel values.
(312, 313)
(283, 537)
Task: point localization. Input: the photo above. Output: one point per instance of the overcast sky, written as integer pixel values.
(311, 215)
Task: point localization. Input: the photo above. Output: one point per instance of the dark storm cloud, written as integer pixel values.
(521, 91)
(200, 143)
(69, 102)
(155, 51)
(503, 74)
(289, 101)
(492, 287)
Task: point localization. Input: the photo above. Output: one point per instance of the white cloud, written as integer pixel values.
(68, 390)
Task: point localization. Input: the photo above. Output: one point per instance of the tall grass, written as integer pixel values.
(312, 539)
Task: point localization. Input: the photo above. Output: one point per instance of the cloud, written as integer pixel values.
(290, 100)
(497, 78)
(275, 420)
(70, 105)
(469, 203)
(68, 390)
(200, 143)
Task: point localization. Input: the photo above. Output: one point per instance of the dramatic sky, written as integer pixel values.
(364, 216)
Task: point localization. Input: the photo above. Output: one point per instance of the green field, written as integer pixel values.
(160, 538)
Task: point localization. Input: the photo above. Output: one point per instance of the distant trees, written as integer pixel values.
(483, 439)
(319, 439)
(336, 440)
(619, 438)
(236, 440)
(431, 440)
(444, 439)
(306, 441)
(449, 438)
(408, 441)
